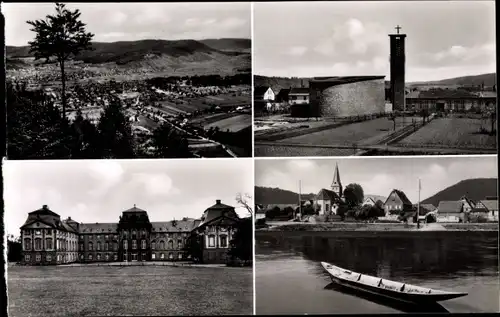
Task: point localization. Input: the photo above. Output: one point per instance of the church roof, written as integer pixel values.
(336, 176)
(337, 80)
(326, 194)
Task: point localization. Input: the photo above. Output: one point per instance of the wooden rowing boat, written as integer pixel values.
(394, 290)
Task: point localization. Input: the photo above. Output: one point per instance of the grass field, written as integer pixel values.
(451, 132)
(233, 124)
(366, 132)
(278, 150)
(135, 290)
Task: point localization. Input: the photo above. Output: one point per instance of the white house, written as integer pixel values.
(492, 208)
(262, 93)
(450, 211)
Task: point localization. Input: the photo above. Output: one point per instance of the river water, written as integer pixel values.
(289, 278)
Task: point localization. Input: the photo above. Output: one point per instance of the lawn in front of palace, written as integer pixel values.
(130, 290)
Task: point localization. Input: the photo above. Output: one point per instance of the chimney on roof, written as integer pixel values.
(217, 201)
(45, 207)
(69, 218)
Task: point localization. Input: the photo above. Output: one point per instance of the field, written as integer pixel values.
(135, 290)
(233, 124)
(279, 150)
(451, 132)
(366, 132)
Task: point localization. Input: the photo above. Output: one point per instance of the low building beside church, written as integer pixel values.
(48, 240)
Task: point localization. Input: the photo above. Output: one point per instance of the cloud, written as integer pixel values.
(297, 50)
(231, 23)
(156, 185)
(118, 17)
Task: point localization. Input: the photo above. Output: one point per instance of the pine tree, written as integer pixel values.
(61, 36)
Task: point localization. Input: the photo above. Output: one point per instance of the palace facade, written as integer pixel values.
(48, 240)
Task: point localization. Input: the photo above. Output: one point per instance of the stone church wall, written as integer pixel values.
(352, 99)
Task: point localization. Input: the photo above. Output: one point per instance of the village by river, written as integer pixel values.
(289, 278)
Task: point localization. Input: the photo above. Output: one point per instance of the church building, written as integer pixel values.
(329, 200)
(49, 240)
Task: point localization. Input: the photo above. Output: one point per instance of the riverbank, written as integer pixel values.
(377, 227)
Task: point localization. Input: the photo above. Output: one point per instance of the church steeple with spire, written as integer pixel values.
(336, 184)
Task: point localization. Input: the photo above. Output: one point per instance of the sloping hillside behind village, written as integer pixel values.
(475, 189)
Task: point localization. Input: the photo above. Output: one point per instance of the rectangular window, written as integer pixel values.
(125, 244)
(153, 256)
(134, 244)
(91, 246)
(48, 243)
(38, 244)
(115, 257)
(223, 242)
(143, 244)
(211, 241)
(38, 257)
(107, 257)
(90, 257)
(27, 258)
(27, 244)
(38, 232)
(98, 256)
(98, 246)
(162, 256)
(48, 258)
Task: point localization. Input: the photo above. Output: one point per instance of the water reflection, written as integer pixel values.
(404, 307)
(414, 256)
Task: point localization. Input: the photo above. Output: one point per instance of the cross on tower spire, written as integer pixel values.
(398, 28)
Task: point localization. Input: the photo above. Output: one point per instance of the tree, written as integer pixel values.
(169, 144)
(14, 249)
(424, 113)
(243, 199)
(115, 133)
(194, 247)
(342, 211)
(84, 138)
(61, 36)
(35, 128)
(354, 195)
(241, 246)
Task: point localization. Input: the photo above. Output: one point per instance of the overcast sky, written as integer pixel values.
(99, 190)
(112, 22)
(377, 176)
(445, 39)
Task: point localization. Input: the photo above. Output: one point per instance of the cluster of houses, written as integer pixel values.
(396, 206)
(265, 99)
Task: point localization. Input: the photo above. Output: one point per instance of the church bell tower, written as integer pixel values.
(397, 60)
(336, 184)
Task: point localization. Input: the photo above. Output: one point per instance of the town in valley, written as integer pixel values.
(177, 97)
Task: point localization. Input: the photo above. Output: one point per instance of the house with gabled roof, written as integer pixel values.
(491, 206)
(468, 204)
(450, 211)
(397, 203)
